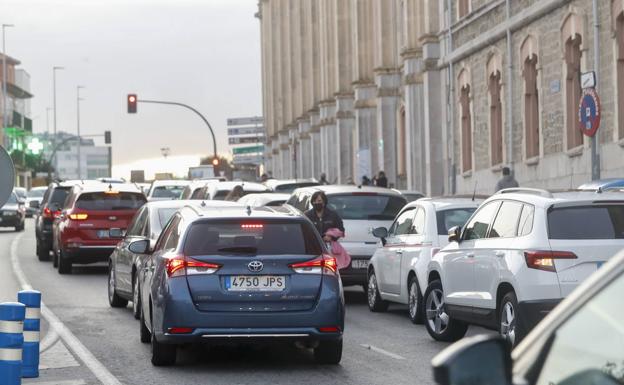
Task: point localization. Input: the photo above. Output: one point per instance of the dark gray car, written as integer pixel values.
(12, 214)
(124, 265)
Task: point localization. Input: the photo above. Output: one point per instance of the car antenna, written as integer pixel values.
(599, 190)
(474, 192)
(248, 210)
(203, 204)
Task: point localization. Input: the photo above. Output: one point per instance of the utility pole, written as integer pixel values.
(78, 99)
(5, 115)
(54, 69)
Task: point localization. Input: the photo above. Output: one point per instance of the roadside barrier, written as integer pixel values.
(11, 342)
(32, 325)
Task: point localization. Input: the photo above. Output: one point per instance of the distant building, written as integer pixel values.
(95, 160)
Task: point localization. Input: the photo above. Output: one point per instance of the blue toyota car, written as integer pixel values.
(240, 274)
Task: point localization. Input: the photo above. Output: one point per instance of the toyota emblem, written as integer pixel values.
(255, 266)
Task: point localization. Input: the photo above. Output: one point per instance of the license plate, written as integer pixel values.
(255, 283)
(359, 264)
(112, 233)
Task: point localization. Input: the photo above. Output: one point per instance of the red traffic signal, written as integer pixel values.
(215, 161)
(132, 103)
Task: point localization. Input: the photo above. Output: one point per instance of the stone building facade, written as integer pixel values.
(351, 87)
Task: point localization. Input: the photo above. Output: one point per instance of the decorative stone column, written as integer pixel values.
(329, 145)
(388, 82)
(303, 149)
(345, 125)
(365, 130)
(414, 122)
(315, 143)
(433, 124)
(284, 152)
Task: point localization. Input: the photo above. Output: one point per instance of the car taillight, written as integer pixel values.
(545, 259)
(180, 265)
(78, 217)
(329, 329)
(179, 330)
(323, 264)
(47, 213)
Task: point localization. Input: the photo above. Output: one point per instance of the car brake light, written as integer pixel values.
(47, 213)
(545, 259)
(180, 265)
(251, 226)
(180, 330)
(329, 329)
(325, 263)
(78, 217)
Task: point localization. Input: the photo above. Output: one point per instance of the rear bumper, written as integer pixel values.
(11, 221)
(532, 312)
(89, 254)
(247, 335)
(355, 276)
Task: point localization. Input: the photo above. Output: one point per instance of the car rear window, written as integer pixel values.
(363, 206)
(110, 201)
(165, 214)
(58, 196)
(290, 187)
(38, 193)
(171, 192)
(448, 219)
(586, 222)
(251, 238)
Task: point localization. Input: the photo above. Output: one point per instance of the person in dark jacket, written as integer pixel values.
(507, 181)
(322, 216)
(382, 181)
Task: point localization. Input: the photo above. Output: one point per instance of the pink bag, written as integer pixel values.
(343, 258)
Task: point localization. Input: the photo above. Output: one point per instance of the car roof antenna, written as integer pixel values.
(474, 191)
(203, 204)
(248, 210)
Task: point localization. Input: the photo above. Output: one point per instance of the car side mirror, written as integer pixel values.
(381, 233)
(454, 234)
(140, 247)
(34, 204)
(482, 359)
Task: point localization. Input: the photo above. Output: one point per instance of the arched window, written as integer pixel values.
(573, 89)
(496, 117)
(531, 107)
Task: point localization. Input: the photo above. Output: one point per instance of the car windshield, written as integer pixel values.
(448, 219)
(12, 199)
(58, 196)
(365, 206)
(288, 188)
(171, 192)
(587, 222)
(100, 201)
(253, 237)
(165, 214)
(38, 193)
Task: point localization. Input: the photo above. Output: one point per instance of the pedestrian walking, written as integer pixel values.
(507, 181)
(323, 179)
(236, 193)
(382, 181)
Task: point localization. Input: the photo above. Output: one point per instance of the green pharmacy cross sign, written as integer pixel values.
(35, 146)
(248, 150)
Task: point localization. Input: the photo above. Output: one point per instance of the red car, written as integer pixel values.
(94, 219)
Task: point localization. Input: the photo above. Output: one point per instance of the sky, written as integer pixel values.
(205, 53)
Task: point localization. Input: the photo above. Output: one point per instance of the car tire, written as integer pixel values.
(328, 352)
(64, 264)
(440, 326)
(144, 332)
(162, 354)
(415, 302)
(136, 298)
(510, 326)
(42, 253)
(375, 303)
(114, 300)
(20, 227)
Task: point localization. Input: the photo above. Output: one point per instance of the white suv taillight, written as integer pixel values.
(180, 265)
(545, 259)
(323, 264)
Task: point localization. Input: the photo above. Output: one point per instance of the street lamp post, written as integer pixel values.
(78, 99)
(54, 69)
(48, 109)
(4, 82)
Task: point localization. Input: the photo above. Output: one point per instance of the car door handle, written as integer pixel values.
(470, 255)
(399, 251)
(500, 254)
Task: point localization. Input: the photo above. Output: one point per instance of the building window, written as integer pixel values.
(466, 128)
(496, 118)
(463, 8)
(573, 90)
(531, 107)
(619, 36)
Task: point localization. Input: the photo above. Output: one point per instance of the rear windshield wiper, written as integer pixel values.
(240, 249)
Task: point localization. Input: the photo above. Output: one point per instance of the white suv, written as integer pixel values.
(398, 269)
(520, 253)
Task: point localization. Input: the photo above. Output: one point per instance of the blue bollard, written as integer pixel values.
(11, 341)
(30, 355)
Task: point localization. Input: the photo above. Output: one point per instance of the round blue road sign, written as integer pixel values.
(589, 112)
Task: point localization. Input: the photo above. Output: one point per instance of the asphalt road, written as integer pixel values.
(379, 348)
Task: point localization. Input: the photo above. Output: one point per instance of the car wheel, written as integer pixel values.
(510, 327)
(136, 298)
(375, 303)
(162, 354)
(328, 352)
(439, 324)
(114, 300)
(42, 253)
(19, 228)
(415, 301)
(64, 264)
(144, 332)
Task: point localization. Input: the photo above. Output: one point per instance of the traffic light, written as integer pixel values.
(215, 162)
(107, 137)
(132, 103)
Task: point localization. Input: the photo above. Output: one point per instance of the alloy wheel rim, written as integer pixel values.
(413, 300)
(437, 318)
(372, 290)
(508, 323)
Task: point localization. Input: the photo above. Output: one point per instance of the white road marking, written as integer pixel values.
(73, 382)
(384, 352)
(57, 357)
(50, 338)
(96, 367)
